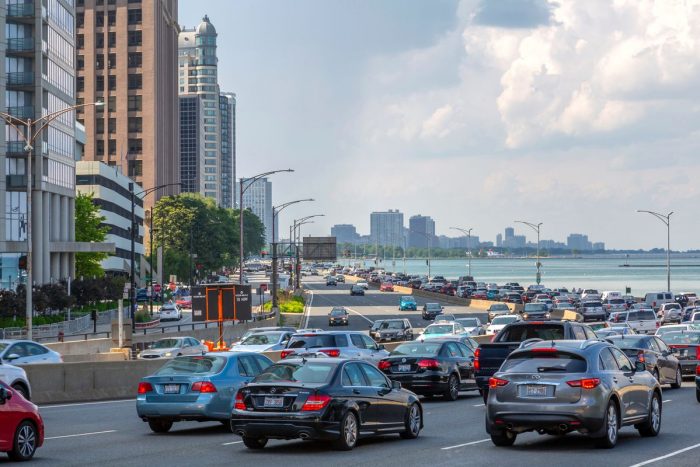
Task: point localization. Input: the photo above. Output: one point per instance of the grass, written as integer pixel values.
(288, 304)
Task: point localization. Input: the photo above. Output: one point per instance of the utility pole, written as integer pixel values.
(666, 219)
(536, 228)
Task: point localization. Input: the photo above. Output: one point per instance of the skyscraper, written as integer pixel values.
(258, 198)
(386, 228)
(421, 232)
(227, 110)
(345, 233)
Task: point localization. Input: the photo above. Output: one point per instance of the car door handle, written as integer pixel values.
(356, 391)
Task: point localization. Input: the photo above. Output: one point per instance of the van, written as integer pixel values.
(643, 321)
(610, 294)
(656, 299)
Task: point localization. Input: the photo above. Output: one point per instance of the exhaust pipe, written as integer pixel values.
(240, 433)
(509, 426)
(304, 436)
(563, 427)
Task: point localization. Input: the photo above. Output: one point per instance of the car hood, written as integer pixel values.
(159, 351)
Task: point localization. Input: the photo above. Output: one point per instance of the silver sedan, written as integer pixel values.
(170, 347)
(24, 352)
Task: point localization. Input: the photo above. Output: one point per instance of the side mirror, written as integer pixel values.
(639, 366)
(380, 347)
(5, 395)
(11, 357)
(396, 385)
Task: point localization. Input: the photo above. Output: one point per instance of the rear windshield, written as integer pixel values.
(592, 305)
(504, 319)
(631, 342)
(616, 301)
(196, 365)
(316, 341)
(416, 349)
(555, 362)
(165, 344)
(439, 329)
(646, 315)
(262, 339)
(522, 332)
(682, 338)
(468, 322)
(408, 299)
(309, 372)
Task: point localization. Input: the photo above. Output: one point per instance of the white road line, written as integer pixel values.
(479, 405)
(78, 404)
(360, 314)
(307, 312)
(671, 454)
(466, 444)
(232, 442)
(82, 434)
(667, 400)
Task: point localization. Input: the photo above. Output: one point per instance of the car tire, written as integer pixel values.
(611, 427)
(679, 379)
(20, 388)
(655, 374)
(349, 432)
(503, 438)
(254, 443)
(652, 425)
(159, 426)
(227, 425)
(25, 441)
(452, 391)
(412, 422)
(697, 394)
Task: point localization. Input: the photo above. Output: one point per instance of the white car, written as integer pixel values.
(499, 322)
(442, 329)
(170, 347)
(24, 352)
(473, 326)
(16, 378)
(170, 312)
(363, 284)
(263, 342)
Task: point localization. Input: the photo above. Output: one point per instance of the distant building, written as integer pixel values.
(499, 240)
(578, 242)
(420, 229)
(551, 245)
(345, 233)
(510, 233)
(258, 198)
(386, 228)
(599, 246)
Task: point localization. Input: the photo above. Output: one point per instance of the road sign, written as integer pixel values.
(232, 300)
(173, 278)
(156, 288)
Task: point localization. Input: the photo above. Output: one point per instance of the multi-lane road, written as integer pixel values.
(109, 433)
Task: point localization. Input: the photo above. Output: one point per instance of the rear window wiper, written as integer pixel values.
(545, 369)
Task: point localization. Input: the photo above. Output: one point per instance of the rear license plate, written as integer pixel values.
(171, 388)
(273, 402)
(535, 390)
(404, 368)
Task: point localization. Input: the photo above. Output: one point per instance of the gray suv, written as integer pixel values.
(342, 344)
(556, 387)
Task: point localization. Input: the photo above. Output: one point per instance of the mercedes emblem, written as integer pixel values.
(403, 360)
(274, 390)
(535, 376)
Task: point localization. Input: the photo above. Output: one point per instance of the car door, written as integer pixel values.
(357, 349)
(667, 360)
(37, 353)
(387, 402)
(633, 399)
(18, 349)
(466, 365)
(357, 390)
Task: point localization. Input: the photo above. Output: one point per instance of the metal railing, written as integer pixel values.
(49, 330)
(20, 10)
(20, 44)
(20, 78)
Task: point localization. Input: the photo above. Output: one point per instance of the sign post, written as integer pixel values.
(120, 322)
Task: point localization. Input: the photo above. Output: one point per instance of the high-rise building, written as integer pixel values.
(227, 110)
(386, 228)
(578, 242)
(510, 233)
(421, 232)
(258, 198)
(345, 233)
(499, 240)
(127, 58)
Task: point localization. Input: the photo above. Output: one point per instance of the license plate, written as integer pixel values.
(536, 390)
(273, 402)
(171, 388)
(404, 368)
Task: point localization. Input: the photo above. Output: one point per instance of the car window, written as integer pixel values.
(357, 341)
(632, 316)
(646, 315)
(578, 332)
(353, 376)
(653, 345)
(375, 377)
(452, 350)
(247, 366)
(309, 372)
(622, 361)
(660, 344)
(316, 341)
(519, 333)
(464, 350)
(369, 343)
(607, 361)
(589, 333)
(199, 365)
(34, 349)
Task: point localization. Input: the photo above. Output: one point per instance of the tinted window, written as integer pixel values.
(622, 361)
(589, 333)
(357, 341)
(578, 332)
(309, 372)
(682, 338)
(630, 342)
(530, 362)
(34, 349)
(416, 348)
(646, 315)
(607, 361)
(263, 362)
(660, 344)
(519, 333)
(352, 376)
(199, 365)
(316, 341)
(375, 377)
(338, 312)
(466, 351)
(247, 366)
(369, 343)
(451, 350)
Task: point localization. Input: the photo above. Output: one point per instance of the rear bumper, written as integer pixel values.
(178, 411)
(688, 367)
(421, 383)
(283, 426)
(523, 421)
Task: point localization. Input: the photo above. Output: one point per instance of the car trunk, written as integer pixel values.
(407, 365)
(176, 388)
(548, 386)
(287, 397)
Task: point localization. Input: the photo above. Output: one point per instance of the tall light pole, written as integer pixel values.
(536, 228)
(293, 237)
(242, 189)
(666, 219)
(28, 130)
(297, 268)
(468, 233)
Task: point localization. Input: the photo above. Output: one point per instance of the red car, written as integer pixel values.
(386, 287)
(184, 302)
(21, 426)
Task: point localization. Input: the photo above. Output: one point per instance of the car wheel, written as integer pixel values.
(503, 438)
(697, 394)
(679, 379)
(452, 392)
(227, 425)
(21, 389)
(611, 426)
(348, 432)
(655, 374)
(413, 422)
(254, 443)
(24, 445)
(159, 426)
(652, 425)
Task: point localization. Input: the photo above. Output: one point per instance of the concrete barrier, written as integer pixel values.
(96, 357)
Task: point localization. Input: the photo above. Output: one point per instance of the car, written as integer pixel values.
(16, 378)
(658, 358)
(170, 312)
(391, 330)
(642, 320)
(184, 302)
(330, 280)
(431, 310)
(656, 299)
(445, 317)
(265, 329)
(612, 304)
(592, 311)
(695, 317)
(557, 387)
(499, 322)
(473, 326)
(536, 311)
(25, 352)
(466, 340)
(497, 309)
(340, 278)
(386, 287)
(342, 344)
(614, 331)
(687, 347)
(338, 316)
(407, 302)
(443, 328)
(663, 330)
(363, 284)
(670, 313)
(357, 290)
(268, 341)
(590, 295)
(514, 298)
(196, 388)
(142, 295)
(331, 399)
(432, 368)
(22, 428)
(170, 347)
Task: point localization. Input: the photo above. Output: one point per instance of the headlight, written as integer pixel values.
(546, 316)
(168, 354)
(525, 315)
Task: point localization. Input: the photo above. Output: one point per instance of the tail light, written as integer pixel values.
(587, 383)
(331, 352)
(145, 387)
(240, 404)
(429, 363)
(384, 365)
(286, 353)
(477, 354)
(697, 370)
(640, 357)
(497, 382)
(203, 387)
(316, 402)
(658, 325)
(697, 352)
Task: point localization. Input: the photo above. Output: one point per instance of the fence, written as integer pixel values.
(74, 326)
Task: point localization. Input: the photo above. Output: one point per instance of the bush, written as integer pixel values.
(142, 316)
(288, 304)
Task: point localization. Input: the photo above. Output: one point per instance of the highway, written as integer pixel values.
(109, 433)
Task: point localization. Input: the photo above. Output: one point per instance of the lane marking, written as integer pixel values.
(671, 454)
(667, 400)
(360, 314)
(232, 442)
(78, 404)
(307, 313)
(465, 444)
(81, 434)
(478, 405)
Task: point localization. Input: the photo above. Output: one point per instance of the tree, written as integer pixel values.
(88, 228)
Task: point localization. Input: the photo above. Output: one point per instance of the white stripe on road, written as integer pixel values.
(479, 405)
(232, 442)
(360, 314)
(667, 400)
(466, 444)
(307, 312)
(81, 434)
(671, 454)
(84, 403)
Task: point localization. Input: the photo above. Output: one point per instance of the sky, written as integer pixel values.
(475, 112)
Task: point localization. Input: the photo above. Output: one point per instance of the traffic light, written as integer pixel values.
(263, 253)
(22, 263)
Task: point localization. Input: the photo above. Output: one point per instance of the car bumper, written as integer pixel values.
(421, 384)
(283, 426)
(338, 322)
(407, 307)
(594, 316)
(688, 367)
(198, 410)
(583, 416)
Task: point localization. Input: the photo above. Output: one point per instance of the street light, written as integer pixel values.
(243, 189)
(536, 228)
(293, 235)
(666, 219)
(468, 233)
(28, 136)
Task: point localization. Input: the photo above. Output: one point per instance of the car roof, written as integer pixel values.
(336, 360)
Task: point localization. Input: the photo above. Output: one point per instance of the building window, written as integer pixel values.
(80, 83)
(100, 125)
(135, 146)
(134, 16)
(134, 59)
(135, 81)
(112, 146)
(80, 41)
(134, 103)
(99, 61)
(112, 40)
(209, 161)
(112, 82)
(100, 83)
(80, 19)
(100, 147)
(135, 168)
(80, 62)
(111, 17)
(99, 108)
(135, 124)
(112, 61)
(112, 126)
(99, 41)
(99, 19)
(112, 104)
(134, 38)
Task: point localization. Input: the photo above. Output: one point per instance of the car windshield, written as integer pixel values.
(503, 319)
(408, 299)
(337, 312)
(166, 344)
(432, 306)
(537, 362)
(262, 339)
(391, 325)
(682, 338)
(500, 307)
(522, 332)
(439, 329)
(530, 307)
(468, 322)
(314, 341)
(197, 365)
(308, 372)
(631, 342)
(416, 348)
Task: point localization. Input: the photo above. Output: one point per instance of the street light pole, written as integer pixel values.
(536, 228)
(666, 219)
(297, 268)
(468, 233)
(294, 238)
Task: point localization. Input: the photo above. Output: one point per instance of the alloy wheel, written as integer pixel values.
(350, 430)
(414, 418)
(612, 424)
(655, 414)
(26, 441)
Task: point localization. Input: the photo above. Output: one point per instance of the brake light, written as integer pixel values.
(544, 350)
(697, 352)
(429, 363)
(384, 365)
(145, 387)
(331, 352)
(697, 370)
(477, 354)
(203, 387)
(316, 402)
(286, 353)
(240, 404)
(640, 357)
(497, 382)
(658, 325)
(587, 383)
(536, 322)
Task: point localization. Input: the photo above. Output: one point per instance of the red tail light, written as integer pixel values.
(240, 404)
(145, 387)
(477, 354)
(697, 370)
(286, 353)
(429, 363)
(697, 352)
(497, 382)
(544, 350)
(384, 365)
(658, 325)
(640, 357)
(331, 352)
(203, 387)
(316, 402)
(588, 383)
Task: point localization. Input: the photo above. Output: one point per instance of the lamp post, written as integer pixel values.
(242, 189)
(294, 235)
(536, 228)
(32, 129)
(666, 219)
(468, 233)
(150, 261)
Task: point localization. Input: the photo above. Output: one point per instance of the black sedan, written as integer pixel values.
(659, 359)
(431, 310)
(331, 399)
(357, 290)
(338, 316)
(432, 367)
(687, 347)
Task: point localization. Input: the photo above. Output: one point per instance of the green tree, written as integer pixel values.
(88, 228)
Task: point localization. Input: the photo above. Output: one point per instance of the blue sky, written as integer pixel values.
(575, 114)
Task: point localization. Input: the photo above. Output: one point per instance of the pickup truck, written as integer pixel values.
(489, 357)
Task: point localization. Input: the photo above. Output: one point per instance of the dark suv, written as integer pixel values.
(431, 310)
